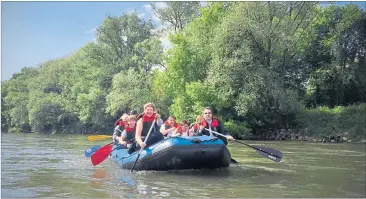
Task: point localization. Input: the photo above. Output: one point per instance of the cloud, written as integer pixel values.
(147, 7)
(130, 10)
(161, 5)
(149, 13)
(141, 15)
(165, 42)
(203, 3)
(156, 19)
(91, 31)
(159, 26)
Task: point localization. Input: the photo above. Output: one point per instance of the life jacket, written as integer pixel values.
(197, 126)
(180, 130)
(146, 124)
(130, 132)
(214, 125)
(168, 126)
(117, 122)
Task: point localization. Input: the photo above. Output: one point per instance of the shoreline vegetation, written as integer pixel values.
(269, 70)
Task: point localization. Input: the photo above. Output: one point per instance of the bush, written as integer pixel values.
(338, 120)
(238, 130)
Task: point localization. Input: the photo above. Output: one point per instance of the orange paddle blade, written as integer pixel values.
(98, 137)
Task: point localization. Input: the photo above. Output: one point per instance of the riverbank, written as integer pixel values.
(303, 135)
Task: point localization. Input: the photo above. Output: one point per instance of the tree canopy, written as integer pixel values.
(260, 65)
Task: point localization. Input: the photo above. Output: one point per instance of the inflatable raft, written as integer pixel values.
(176, 153)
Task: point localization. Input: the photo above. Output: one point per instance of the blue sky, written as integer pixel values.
(35, 32)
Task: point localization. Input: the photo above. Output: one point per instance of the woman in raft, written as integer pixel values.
(182, 130)
(142, 129)
(169, 126)
(120, 127)
(128, 135)
(198, 125)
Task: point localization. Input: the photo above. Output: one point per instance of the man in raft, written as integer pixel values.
(213, 124)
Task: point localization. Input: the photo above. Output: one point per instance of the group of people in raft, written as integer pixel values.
(131, 129)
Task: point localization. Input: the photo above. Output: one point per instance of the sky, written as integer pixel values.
(35, 32)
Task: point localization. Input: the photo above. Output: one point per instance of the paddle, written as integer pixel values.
(91, 150)
(139, 153)
(101, 154)
(98, 137)
(269, 153)
(101, 137)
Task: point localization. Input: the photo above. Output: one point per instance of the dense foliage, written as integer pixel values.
(260, 65)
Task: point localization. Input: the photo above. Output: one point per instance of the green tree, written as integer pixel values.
(176, 13)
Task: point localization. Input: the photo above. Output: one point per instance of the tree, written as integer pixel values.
(14, 98)
(130, 90)
(176, 13)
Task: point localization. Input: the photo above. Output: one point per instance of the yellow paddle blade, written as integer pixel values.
(98, 137)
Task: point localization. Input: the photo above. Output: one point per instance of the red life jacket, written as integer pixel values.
(146, 118)
(130, 133)
(180, 130)
(121, 123)
(117, 122)
(214, 125)
(168, 126)
(146, 124)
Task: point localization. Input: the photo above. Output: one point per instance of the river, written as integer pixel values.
(34, 165)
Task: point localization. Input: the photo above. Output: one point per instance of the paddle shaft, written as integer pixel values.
(271, 154)
(139, 153)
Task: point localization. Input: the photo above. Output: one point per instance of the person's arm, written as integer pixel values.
(166, 131)
(197, 130)
(191, 131)
(202, 130)
(159, 121)
(176, 132)
(123, 136)
(115, 133)
(223, 131)
(138, 134)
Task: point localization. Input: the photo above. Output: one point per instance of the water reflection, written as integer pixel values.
(97, 178)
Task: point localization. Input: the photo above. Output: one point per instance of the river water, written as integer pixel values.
(34, 165)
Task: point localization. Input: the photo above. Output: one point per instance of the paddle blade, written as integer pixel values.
(234, 161)
(101, 154)
(98, 137)
(269, 153)
(91, 150)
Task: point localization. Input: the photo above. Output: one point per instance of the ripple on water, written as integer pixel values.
(55, 166)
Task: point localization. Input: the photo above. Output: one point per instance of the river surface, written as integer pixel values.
(34, 165)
